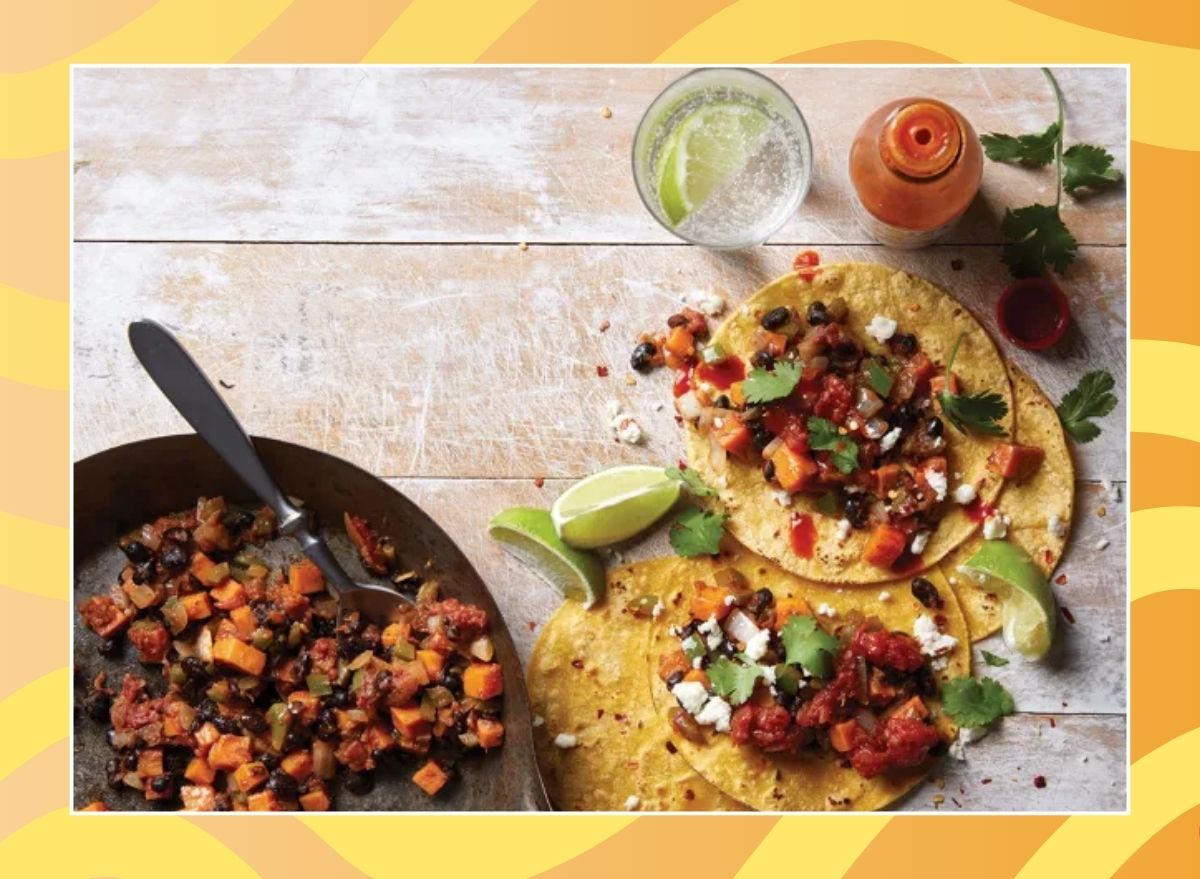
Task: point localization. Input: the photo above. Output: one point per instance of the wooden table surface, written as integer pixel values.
(340, 248)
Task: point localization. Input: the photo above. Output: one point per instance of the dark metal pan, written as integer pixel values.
(120, 488)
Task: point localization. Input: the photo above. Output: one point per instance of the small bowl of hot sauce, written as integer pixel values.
(1033, 313)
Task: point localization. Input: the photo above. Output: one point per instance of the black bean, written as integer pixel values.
(270, 761)
(326, 727)
(760, 601)
(253, 723)
(905, 416)
(143, 572)
(116, 778)
(846, 352)
(642, 358)
(728, 648)
(227, 725)
(283, 785)
(674, 678)
(359, 783)
(763, 360)
(760, 435)
(341, 698)
(722, 402)
(856, 509)
(926, 593)
(193, 667)
(136, 551)
(237, 520)
(769, 470)
(934, 428)
(323, 626)
(903, 343)
(178, 535)
(130, 761)
(173, 556)
(96, 705)
(775, 318)
(817, 314)
(175, 759)
(297, 737)
(111, 647)
(162, 784)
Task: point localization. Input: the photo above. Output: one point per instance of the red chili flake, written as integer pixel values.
(1061, 579)
(576, 663)
(956, 264)
(602, 371)
(689, 794)
(532, 626)
(604, 325)
(1039, 781)
(985, 781)
(620, 718)
(599, 713)
(671, 749)
(1067, 615)
(1048, 556)
(539, 481)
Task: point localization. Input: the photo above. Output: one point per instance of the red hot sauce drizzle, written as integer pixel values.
(803, 535)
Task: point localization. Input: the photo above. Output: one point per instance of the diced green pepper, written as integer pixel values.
(216, 575)
(177, 675)
(404, 650)
(878, 379)
(219, 692)
(281, 722)
(175, 615)
(318, 685)
(262, 638)
(694, 647)
(296, 634)
(827, 504)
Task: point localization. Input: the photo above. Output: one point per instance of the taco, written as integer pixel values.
(1035, 511)
(598, 738)
(793, 695)
(814, 409)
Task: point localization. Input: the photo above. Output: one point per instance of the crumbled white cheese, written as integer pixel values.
(657, 610)
(757, 646)
(933, 641)
(783, 498)
(965, 493)
(538, 720)
(885, 596)
(969, 734)
(843, 530)
(706, 301)
(728, 600)
(715, 713)
(722, 481)
(958, 749)
(920, 539)
(1056, 526)
(826, 611)
(632, 802)
(937, 481)
(690, 644)
(628, 430)
(939, 663)
(565, 740)
(889, 440)
(881, 328)
(1101, 544)
(698, 662)
(768, 674)
(995, 527)
(953, 581)
(691, 695)
(711, 630)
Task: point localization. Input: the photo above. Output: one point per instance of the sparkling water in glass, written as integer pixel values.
(722, 158)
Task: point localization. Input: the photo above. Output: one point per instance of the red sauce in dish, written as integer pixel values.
(803, 535)
(977, 510)
(683, 383)
(722, 375)
(1033, 313)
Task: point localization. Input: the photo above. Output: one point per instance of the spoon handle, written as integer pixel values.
(180, 378)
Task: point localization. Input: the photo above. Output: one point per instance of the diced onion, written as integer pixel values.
(867, 402)
(739, 627)
(875, 428)
(688, 405)
(151, 539)
(716, 454)
(483, 649)
(866, 719)
(772, 447)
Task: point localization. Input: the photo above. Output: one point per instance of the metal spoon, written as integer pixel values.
(191, 393)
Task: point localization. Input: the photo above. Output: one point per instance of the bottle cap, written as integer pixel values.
(921, 139)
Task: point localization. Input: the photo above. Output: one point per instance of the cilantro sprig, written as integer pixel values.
(692, 481)
(978, 412)
(1036, 234)
(733, 681)
(993, 660)
(975, 703)
(696, 532)
(1091, 398)
(823, 436)
(808, 645)
(763, 386)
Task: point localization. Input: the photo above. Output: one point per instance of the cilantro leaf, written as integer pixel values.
(808, 645)
(1088, 166)
(1037, 236)
(823, 436)
(1031, 150)
(691, 479)
(762, 386)
(994, 660)
(878, 378)
(1091, 398)
(975, 703)
(732, 681)
(696, 532)
(979, 412)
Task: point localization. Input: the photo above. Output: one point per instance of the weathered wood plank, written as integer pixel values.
(477, 361)
(455, 154)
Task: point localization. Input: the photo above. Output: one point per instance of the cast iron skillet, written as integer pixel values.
(120, 488)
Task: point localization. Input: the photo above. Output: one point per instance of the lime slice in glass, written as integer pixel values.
(613, 505)
(529, 535)
(706, 148)
(1030, 611)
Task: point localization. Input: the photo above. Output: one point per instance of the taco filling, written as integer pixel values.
(767, 672)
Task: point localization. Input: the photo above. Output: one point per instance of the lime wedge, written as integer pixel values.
(707, 147)
(1030, 611)
(529, 535)
(613, 505)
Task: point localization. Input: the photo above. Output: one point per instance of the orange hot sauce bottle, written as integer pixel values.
(915, 165)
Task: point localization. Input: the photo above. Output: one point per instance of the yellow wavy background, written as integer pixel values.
(38, 42)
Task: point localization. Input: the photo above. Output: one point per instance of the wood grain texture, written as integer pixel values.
(456, 154)
(477, 361)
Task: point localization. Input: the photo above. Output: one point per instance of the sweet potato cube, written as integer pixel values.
(249, 776)
(305, 705)
(885, 545)
(306, 578)
(681, 343)
(243, 620)
(199, 772)
(672, 663)
(433, 662)
(709, 601)
(315, 801)
(790, 606)
(408, 721)
(940, 383)
(264, 801)
(843, 736)
(197, 605)
(793, 471)
(394, 633)
(733, 435)
(232, 653)
(150, 763)
(201, 566)
(206, 737)
(298, 764)
(774, 343)
(229, 595)
(697, 676)
(229, 752)
(489, 732)
(914, 708)
(198, 798)
(430, 778)
(886, 478)
(483, 680)
(1015, 461)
